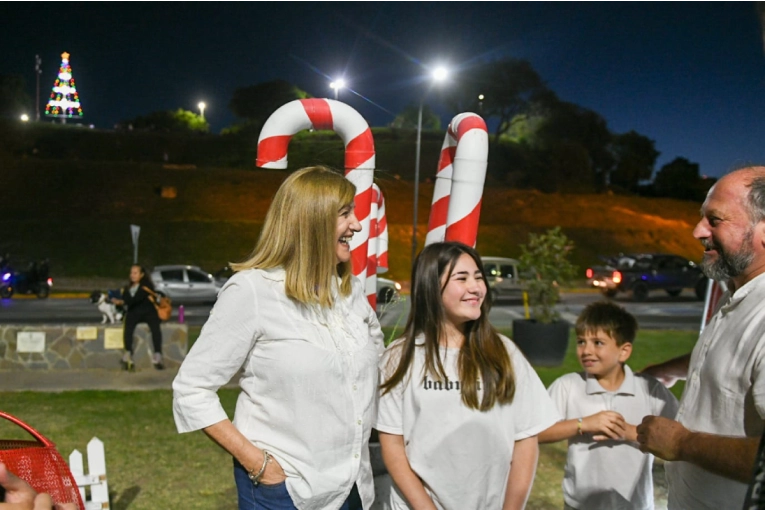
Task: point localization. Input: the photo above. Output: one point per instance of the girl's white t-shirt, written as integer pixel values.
(462, 455)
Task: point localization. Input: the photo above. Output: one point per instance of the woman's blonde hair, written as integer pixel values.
(300, 235)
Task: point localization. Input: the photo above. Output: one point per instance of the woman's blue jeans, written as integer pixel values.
(275, 497)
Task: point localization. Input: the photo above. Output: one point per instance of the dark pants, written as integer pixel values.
(275, 497)
(133, 319)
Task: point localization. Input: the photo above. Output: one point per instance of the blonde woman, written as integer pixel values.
(298, 323)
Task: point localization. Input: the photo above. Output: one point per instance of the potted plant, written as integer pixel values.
(545, 268)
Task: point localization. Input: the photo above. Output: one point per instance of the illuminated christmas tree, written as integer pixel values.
(64, 102)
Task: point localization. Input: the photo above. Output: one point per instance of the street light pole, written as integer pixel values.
(202, 107)
(438, 74)
(416, 183)
(38, 72)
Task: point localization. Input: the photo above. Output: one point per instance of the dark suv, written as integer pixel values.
(643, 272)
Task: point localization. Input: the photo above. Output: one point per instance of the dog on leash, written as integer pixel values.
(108, 310)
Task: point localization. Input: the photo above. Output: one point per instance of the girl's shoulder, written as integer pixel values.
(512, 349)
(394, 349)
(391, 357)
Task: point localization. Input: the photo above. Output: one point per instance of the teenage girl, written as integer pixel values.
(460, 406)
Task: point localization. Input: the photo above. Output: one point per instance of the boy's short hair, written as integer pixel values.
(610, 318)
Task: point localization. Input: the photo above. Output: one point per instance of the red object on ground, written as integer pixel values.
(39, 464)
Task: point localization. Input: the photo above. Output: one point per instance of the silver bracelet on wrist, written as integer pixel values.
(255, 477)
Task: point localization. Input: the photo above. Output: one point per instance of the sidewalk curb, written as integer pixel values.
(59, 381)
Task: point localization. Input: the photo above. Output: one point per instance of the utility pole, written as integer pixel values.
(38, 72)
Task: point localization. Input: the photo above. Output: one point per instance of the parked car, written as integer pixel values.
(185, 284)
(387, 290)
(641, 273)
(503, 278)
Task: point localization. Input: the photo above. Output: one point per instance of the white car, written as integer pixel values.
(185, 284)
(503, 278)
(387, 290)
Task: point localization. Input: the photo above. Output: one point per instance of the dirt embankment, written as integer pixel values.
(82, 211)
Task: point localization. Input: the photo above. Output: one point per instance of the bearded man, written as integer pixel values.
(712, 445)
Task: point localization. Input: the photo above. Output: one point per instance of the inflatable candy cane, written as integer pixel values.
(457, 197)
(359, 158)
(715, 291)
(371, 284)
(377, 250)
(382, 234)
(441, 190)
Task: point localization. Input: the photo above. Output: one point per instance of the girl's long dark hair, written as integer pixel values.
(483, 358)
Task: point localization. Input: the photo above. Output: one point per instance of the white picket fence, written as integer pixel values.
(95, 479)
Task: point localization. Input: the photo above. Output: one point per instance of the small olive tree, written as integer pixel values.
(545, 266)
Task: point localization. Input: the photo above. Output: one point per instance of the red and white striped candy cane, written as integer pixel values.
(442, 190)
(715, 291)
(458, 191)
(302, 114)
(382, 235)
(371, 283)
(377, 250)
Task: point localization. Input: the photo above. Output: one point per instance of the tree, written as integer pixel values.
(635, 156)
(13, 99)
(407, 119)
(510, 87)
(257, 102)
(179, 121)
(680, 179)
(567, 125)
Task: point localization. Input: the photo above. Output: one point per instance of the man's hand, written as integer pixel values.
(662, 437)
(20, 496)
(669, 372)
(16, 490)
(665, 377)
(605, 425)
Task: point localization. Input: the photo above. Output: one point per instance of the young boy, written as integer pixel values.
(601, 408)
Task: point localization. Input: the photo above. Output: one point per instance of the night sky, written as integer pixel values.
(690, 76)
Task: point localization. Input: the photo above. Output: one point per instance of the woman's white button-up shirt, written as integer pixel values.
(309, 383)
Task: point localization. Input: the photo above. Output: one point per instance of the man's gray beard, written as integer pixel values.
(729, 265)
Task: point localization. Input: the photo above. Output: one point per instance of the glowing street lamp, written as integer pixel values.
(24, 117)
(337, 85)
(438, 75)
(202, 107)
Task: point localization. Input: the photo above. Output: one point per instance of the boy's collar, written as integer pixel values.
(593, 387)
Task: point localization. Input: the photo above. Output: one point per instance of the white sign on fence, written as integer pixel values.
(30, 341)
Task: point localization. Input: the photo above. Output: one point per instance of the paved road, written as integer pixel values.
(658, 312)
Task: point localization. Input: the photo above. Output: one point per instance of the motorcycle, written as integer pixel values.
(34, 280)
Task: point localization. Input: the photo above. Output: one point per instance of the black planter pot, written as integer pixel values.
(543, 344)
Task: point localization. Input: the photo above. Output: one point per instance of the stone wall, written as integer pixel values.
(63, 350)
